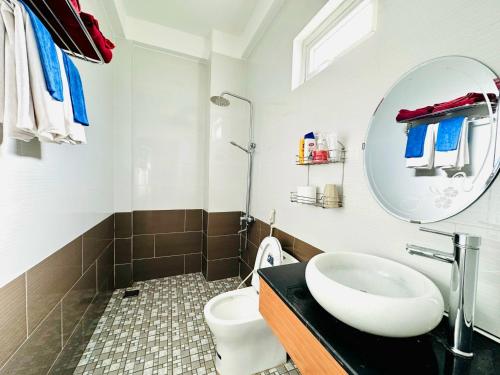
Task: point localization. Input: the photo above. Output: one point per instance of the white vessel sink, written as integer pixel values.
(374, 294)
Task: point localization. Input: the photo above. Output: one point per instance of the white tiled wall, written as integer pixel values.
(226, 173)
(169, 101)
(342, 98)
(50, 194)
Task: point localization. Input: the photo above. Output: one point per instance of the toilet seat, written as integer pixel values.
(234, 307)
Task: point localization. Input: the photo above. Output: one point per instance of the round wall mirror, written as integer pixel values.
(432, 146)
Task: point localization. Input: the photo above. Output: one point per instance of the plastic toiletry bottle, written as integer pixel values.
(301, 151)
(309, 145)
(333, 146)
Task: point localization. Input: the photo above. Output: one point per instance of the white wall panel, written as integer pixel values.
(169, 101)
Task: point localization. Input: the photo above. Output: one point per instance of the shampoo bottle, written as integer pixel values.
(301, 151)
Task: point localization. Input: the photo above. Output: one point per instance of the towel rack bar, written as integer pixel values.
(474, 111)
(50, 13)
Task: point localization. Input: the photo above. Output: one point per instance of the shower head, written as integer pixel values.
(220, 101)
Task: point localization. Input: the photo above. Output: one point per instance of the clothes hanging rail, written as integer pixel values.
(72, 36)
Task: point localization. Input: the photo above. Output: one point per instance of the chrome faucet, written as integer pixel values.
(464, 262)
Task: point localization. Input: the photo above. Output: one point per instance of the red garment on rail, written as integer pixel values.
(470, 98)
(406, 114)
(104, 45)
(76, 5)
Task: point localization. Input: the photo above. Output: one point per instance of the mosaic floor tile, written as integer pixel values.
(160, 332)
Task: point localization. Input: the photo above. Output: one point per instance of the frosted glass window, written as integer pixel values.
(338, 27)
(347, 33)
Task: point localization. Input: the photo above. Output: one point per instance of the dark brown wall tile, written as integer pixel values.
(245, 270)
(223, 247)
(123, 250)
(106, 271)
(254, 233)
(12, 317)
(69, 358)
(222, 268)
(51, 279)
(123, 224)
(221, 223)
(152, 222)
(264, 231)
(77, 300)
(144, 246)
(155, 268)
(39, 352)
(244, 250)
(192, 263)
(194, 220)
(204, 244)
(123, 276)
(204, 266)
(177, 243)
(285, 240)
(93, 314)
(105, 229)
(205, 221)
(251, 254)
(96, 240)
(303, 251)
(92, 249)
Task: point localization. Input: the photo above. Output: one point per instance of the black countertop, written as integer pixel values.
(362, 353)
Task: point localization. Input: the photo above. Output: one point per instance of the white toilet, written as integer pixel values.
(245, 344)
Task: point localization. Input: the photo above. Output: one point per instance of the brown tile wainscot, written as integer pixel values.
(221, 244)
(51, 311)
(163, 243)
(301, 250)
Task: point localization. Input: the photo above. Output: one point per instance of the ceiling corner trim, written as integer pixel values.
(166, 38)
(262, 17)
(187, 44)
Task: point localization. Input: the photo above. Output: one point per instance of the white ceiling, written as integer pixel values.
(197, 17)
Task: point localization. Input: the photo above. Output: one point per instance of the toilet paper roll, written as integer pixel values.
(306, 194)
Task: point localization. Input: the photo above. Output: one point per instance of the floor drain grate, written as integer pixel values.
(130, 293)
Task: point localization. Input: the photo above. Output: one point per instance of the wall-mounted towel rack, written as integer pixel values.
(72, 36)
(476, 110)
(478, 114)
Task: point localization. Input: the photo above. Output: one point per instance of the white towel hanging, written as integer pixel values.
(48, 111)
(14, 100)
(25, 113)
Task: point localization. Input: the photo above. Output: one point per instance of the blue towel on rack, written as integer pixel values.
(76, 91)
(448, 135)
(48, 57)
(415, 142)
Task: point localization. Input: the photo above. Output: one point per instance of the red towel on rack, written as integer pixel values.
(104, 45)
(470, 98)
(406, 114)
(76, 5)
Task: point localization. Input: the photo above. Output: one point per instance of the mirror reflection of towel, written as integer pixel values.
(426, 161)
(448, 135)
(454, 158)
(415, 141)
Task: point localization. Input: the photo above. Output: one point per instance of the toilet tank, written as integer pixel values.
(270, 254)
